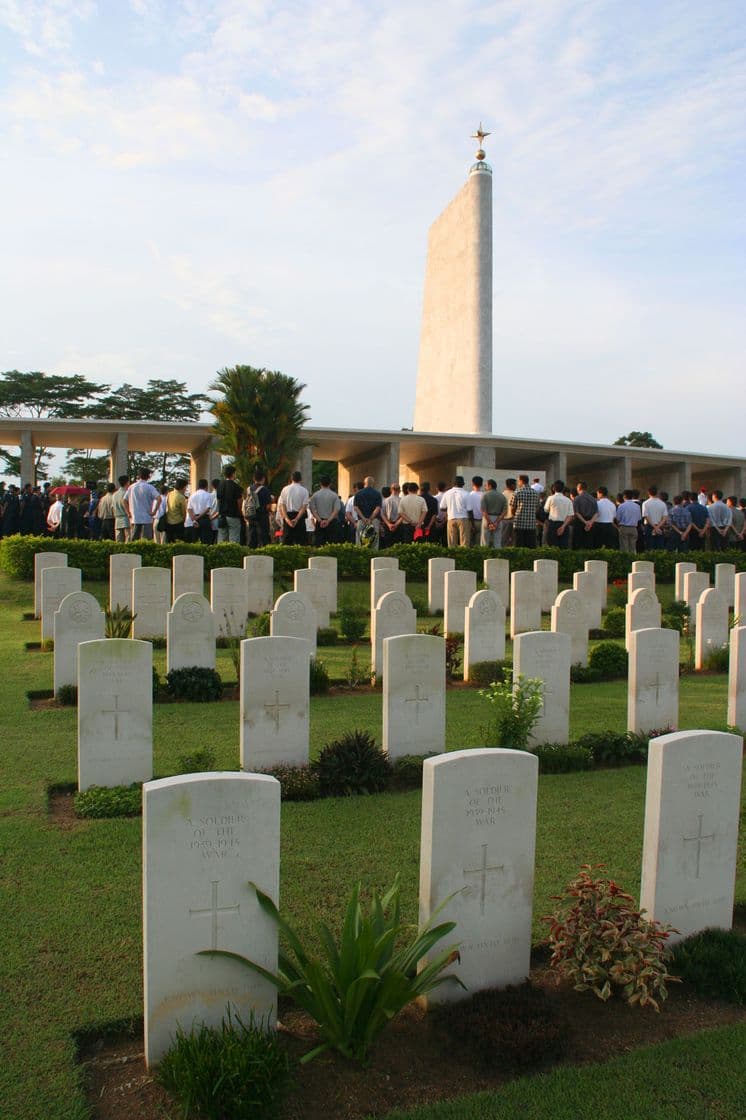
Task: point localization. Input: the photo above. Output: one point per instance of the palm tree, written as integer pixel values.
(259, 420)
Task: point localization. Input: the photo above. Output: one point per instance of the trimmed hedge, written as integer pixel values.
(92, 557)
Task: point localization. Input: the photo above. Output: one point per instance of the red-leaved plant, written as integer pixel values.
(603, 942)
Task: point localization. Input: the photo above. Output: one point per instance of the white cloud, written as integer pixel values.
(45, 26)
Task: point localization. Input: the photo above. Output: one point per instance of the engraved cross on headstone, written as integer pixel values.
(213, 910)
(417, 700)
(116, 711)
(273, 710)
(482, 872)
(698, 839)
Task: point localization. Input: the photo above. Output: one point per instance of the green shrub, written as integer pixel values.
(198, 762)
(355, 988)
(516, 707)
(259, 626)
(614, 748)
(713, 962)
(583, 674)
(234, 1070)
(609, 660)
(318, 677)
(601, 942)
(114, 801)
(357, 672)
(352, 764)
(326, 636)
(515, 1027)
(196, 684)
(406, 771)
(67, 694)
(297, 783)
(119, 622)
(157, 684)
(562, 758)
(614, 623)
(485, 672)
(352, 624)
(676, 617)
(717, 659)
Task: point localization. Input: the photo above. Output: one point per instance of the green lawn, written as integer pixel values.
(70, 937)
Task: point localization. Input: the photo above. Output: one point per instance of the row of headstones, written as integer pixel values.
(206, 838)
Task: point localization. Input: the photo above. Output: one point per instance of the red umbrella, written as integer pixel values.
(69, 491)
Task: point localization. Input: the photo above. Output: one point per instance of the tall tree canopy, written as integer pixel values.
(46, 395)
(258, 420)
(637, 439)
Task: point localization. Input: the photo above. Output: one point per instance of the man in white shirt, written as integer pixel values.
(54, 517)
(655, 516)
(454, 502)
(560, 511)
(291, 508)
(199, 508)
(606, 536)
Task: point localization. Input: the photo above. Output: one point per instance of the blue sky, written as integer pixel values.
(189, 185)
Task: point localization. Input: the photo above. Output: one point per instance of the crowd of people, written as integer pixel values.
(521, 515)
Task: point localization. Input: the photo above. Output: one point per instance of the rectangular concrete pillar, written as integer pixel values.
(28, 458)
(206, 462)
(304, 464)
(118, 457)
(381, 462)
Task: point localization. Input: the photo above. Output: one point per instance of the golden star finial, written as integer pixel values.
(480, 134)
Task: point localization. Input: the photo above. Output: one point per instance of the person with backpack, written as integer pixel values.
(256, 511)
(229, 507)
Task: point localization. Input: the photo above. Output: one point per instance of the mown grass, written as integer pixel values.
(70, 935)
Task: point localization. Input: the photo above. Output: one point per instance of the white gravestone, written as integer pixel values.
(44, 560)
(694, 584)
(327, 565)
(229, 599)
(414, 695)
(313, 585)
(691, 830)
(569, 617)
(642, 612)
(739, 595)
(190, 633)
(636, 580)
(79, 619)
(115, 712)
(188, 576)
(393, 617)
(56, 583)
(600, 568)
(653, 685)
(378, 563)
(274, 702)
(496, 574)
(725, 582)
(459, 588)
(547, 656)
(383, 580)
(205, 838)
(260, 571)
(437, 566)
(737, 678)
(484, 636)
(712, 626)
(121, 567)
(151, 600)
(525, 603)
(681, 571)
(477, 860)
(548, 573)
(643, 566)
(586, 584)
(294, 617)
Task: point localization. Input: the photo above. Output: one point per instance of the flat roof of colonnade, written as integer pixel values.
(347, 444)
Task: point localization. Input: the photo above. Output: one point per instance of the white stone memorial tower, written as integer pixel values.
(454, 374)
